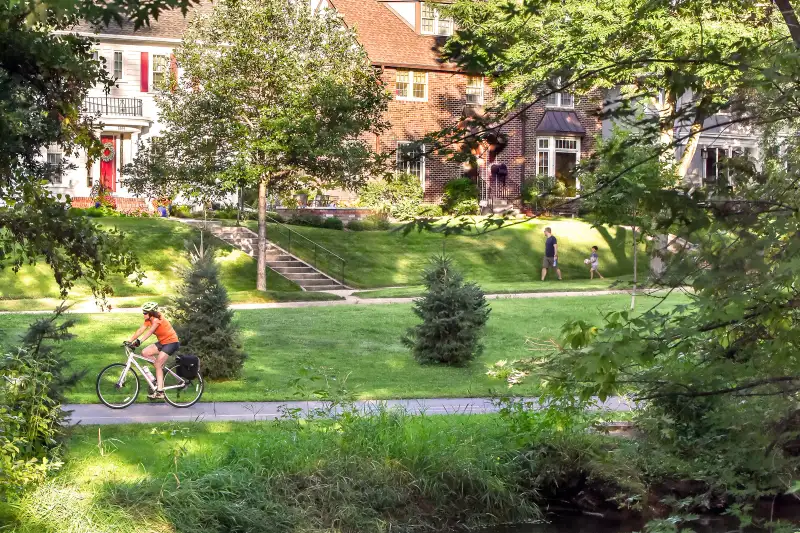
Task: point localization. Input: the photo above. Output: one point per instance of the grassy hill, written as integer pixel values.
(510, 255)
(160, 246)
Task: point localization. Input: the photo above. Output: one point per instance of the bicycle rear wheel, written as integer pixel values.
(115, 390)
(187, 394)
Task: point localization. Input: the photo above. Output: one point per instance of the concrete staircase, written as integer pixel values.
(499, 207)
(282, 262)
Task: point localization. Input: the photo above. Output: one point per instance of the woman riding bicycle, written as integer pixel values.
(166, 345)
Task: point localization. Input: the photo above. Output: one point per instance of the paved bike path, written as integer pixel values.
(142, 413)
(89, 307)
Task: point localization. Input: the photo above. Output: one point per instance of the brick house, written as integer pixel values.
(402, 38)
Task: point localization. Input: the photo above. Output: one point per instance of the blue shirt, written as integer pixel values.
(550, 246)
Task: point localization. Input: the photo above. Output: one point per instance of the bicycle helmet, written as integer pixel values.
(150, 307)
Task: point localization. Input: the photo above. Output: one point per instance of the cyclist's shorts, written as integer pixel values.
(168, 349)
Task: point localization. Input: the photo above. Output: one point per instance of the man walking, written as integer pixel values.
(550, 254)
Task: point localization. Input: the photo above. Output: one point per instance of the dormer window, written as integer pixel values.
(560, 99)
(432, 22)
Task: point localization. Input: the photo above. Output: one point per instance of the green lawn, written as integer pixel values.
(359, 343)
(510, 255)
(160, 247)
(494, 287)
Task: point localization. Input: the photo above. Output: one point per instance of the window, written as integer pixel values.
(475, 90)
(55, 164)
(560, 99)
(716, 165)
(411, 159)
(117, 65)
(160, 69)
(557, 157)
(412, 85)
(432, 22)
(543, 157)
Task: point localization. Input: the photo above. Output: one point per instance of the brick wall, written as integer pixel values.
(445, 107)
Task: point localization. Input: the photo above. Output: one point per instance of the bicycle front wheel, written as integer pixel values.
(186, 392)
(116, 390)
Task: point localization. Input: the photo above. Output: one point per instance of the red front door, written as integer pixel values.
(108, 163)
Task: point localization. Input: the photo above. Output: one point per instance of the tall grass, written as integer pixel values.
(388, 472)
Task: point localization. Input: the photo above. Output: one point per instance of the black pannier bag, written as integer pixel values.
(188, 366)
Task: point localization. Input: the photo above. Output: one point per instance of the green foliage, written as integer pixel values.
(305, 130)
(225, 213)
(204, 320)
(307, 219)
(400, 196)
(361, 225)
(429, 210)
(41, 96)
(180, 211)
(276, 217)
(460, 197)
(380, 221)
(542, 193)
(33, 380)
(333, 223)
(453, 315)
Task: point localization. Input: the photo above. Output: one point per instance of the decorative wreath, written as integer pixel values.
(107, 154)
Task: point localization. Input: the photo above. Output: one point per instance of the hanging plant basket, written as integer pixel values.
(107, 154)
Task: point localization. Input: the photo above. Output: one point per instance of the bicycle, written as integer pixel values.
(118, 383)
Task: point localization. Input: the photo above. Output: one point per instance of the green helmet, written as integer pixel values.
(150, 307)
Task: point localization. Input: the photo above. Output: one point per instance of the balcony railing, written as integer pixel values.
(130, 107)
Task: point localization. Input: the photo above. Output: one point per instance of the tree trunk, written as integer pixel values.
(261, 276)
(790, 18)
(690, 149)
(635, 269)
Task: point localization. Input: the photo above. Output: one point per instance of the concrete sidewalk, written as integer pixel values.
(91, 308)
(142, 413)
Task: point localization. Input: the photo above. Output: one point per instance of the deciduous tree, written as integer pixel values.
(274, 95)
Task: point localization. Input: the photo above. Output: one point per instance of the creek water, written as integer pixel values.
(588, 524)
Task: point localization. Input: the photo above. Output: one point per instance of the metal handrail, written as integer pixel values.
(306, 239)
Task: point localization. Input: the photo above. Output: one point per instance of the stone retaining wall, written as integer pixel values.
(345, 214)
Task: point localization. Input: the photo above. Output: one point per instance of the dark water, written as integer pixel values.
(588, 524)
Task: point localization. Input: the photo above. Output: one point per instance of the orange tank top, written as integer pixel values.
(164, 332)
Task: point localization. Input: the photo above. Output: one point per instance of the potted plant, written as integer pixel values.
(102, 196)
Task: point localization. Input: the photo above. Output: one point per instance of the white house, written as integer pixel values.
(127, 114)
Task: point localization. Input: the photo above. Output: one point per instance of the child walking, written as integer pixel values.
(594, 263)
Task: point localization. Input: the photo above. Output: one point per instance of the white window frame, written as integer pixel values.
(556, 100)
(551, 151)
(482, 90)
(153, 70)
(407, 164)
(437, 18)
(54, 150)
(121, 64)
(411, 97)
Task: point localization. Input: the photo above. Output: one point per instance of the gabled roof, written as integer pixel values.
(386, 37)
(561, 122)
(171, 25)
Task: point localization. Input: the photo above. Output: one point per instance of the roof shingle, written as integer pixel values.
(388, 40)
(561, 122)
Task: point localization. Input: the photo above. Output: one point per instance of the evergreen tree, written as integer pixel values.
(203, 319)
(453, 313)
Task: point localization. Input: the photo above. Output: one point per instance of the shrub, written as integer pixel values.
(358, 225)
(204, 321)
(276, 217)
(307, 219)
(32, 386)
(429, 210)
(399, 196)
(466, 207)
(453, 315)
(333, 223)
(456, 192)
(381, 222)
(226, 213)
(180, 211)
